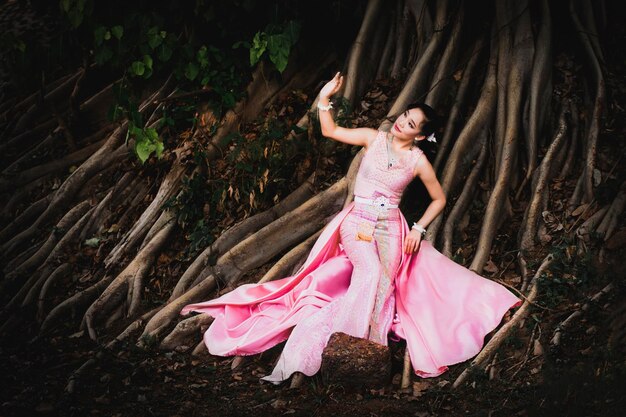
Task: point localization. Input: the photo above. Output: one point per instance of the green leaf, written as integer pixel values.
(259, 44)
(191, 71)
(202, 57)
(107, 35)
(103, 55)
(164, 53)
(117, 31)
(65, 5)
(152, 134)
(138, 68)
(155, 41)
(159, 149)
(241, 44)
(98, 34)
(143, 149)
(94, 242)
(279, 47)
(229, 100)
(163, 34)
(147, 59)
(135, 131)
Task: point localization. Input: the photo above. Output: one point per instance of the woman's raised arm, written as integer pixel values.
(360, 136)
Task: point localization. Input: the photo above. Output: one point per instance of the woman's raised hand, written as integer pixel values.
(331, 87)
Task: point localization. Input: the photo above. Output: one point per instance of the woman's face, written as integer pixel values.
(407, 125)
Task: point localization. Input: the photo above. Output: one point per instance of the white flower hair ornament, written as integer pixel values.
(431, 138)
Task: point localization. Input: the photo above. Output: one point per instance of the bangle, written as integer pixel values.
(419, 228)
(325, 108)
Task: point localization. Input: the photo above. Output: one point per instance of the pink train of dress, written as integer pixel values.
(357, 280)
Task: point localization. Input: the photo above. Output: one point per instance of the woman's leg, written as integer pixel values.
(351, 313)
(388, 235)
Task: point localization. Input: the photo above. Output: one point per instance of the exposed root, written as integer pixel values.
(454, 116)
(38, 258)
(353, 81)
(495, 207)
(184, 329)
(128, 285)
(540, 90)
(417, 79)
(442, 78)
(26, 217)
(498, 338)
(464, 148)
(71, 305)
(168, 188)
(286, 265)
(253, 252)
(598, 104)
(613, 215)
(562, 326)
(61, 272)
(463, 202)
(528, 229)
(406, 371)
(240, 231)
(56, 166)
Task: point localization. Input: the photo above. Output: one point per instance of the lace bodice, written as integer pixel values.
(376, 177)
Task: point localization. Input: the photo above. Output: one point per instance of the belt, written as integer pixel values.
(380, 202)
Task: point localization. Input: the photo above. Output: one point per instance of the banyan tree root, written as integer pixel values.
(494, 212)
(415, 38)
(540, 91)
(128, 286)
(562, 326)
(100, 160)
(613, 214)
(465, 146)
(591, 140)
(184, 330)
(528, 231)
(192, 325)
(494, 343)
(251, 253)
(44, 251)
(240, 231)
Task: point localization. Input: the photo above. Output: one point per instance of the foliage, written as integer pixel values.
(569, 275)
(258, 170)
(75, 10)
(277, 41)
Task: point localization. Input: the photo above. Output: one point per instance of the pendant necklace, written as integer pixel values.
(391, 159)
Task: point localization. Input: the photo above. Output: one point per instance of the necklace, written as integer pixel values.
(392, 159)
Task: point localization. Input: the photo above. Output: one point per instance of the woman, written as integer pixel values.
(365, 276)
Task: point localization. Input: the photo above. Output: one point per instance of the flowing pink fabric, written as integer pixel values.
(442, 309)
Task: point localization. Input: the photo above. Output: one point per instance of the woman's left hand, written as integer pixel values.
(412, 241)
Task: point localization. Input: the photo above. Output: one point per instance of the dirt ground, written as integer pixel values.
(583, 377)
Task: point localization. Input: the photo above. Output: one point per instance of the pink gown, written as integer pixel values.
(357, 280)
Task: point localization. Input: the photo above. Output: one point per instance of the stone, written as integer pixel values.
(355, 363)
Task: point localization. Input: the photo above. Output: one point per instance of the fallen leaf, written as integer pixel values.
(490, 267)
(579, 210)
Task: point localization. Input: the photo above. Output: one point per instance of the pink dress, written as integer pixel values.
(357, 280)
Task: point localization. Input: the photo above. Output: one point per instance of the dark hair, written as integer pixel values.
(430, 125)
